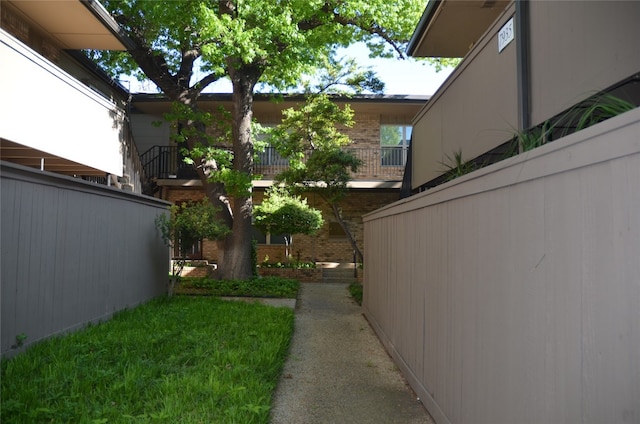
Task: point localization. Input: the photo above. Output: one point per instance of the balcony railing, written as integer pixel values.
(378, 164)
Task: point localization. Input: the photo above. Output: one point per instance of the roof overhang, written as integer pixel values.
(75, 24)
(449, 28)
(158, 104)
(33, 158)
(263, 184)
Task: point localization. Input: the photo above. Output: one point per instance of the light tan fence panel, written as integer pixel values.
(511, 294)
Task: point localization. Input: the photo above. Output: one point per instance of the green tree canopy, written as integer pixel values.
(270, 42)
(288, 214)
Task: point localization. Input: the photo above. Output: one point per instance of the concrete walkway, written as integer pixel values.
(337, 370)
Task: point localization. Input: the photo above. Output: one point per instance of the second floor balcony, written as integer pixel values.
(378, 164)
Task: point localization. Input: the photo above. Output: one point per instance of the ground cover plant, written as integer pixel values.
(254, 287)
(172, 360)
(356, 291)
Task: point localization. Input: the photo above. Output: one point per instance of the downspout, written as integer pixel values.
(522, 64)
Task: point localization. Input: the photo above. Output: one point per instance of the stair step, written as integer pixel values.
(337, 273)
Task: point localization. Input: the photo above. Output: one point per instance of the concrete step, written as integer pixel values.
(337, 275)
(337, 272)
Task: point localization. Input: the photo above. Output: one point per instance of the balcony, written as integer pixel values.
(378, 164)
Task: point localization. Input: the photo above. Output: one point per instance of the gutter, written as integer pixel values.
(107, 20)
(522, 64)
(355, 98)
(425, 20)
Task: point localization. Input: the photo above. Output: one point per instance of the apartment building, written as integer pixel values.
(381, 139)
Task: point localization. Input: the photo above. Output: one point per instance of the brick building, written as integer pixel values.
(380, 136)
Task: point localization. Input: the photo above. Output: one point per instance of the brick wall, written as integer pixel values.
(323, 247)
(317, 248)
(365, 132)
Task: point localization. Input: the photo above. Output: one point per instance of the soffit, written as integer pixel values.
(449, 28)
(74, 24)
(26, 156)
(397, 105)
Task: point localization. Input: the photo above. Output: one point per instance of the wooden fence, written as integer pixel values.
(72, 252)
(512, 294)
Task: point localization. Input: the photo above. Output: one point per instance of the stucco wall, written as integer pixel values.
(473, 111)
(578, 48)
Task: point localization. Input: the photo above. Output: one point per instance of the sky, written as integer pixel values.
(407, 76)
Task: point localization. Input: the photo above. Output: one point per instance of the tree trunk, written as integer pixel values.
(347, 231)
(236, 261)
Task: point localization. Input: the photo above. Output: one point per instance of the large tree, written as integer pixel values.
(251, 42)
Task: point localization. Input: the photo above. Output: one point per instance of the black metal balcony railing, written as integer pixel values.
(385, 164)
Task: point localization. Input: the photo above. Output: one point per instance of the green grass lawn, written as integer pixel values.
(177, 360)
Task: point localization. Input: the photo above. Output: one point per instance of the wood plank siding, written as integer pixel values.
(73, 252)
(512, 294)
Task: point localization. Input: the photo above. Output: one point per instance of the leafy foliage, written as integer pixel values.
(283, 39)
(283, 213)
(591, 111)
(356, 290)
(266, 43)
(455, 166)
(439, 63)
(253, 287)
(187, 223)
(310, 127)
(313, 128)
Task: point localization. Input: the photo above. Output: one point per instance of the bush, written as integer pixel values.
(254, 287)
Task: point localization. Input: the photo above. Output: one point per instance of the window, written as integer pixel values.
(394, 143)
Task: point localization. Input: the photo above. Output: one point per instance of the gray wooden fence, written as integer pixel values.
(512, 294)
(72, 252)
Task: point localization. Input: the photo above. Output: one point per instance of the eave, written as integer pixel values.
(74, 24)
(449, 28)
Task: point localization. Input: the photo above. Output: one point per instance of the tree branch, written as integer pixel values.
(153, 64)
(205, 81)
(372, 28)
(329, 9)
(189, 56)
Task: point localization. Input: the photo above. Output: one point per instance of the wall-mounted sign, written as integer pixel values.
(505, 36)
